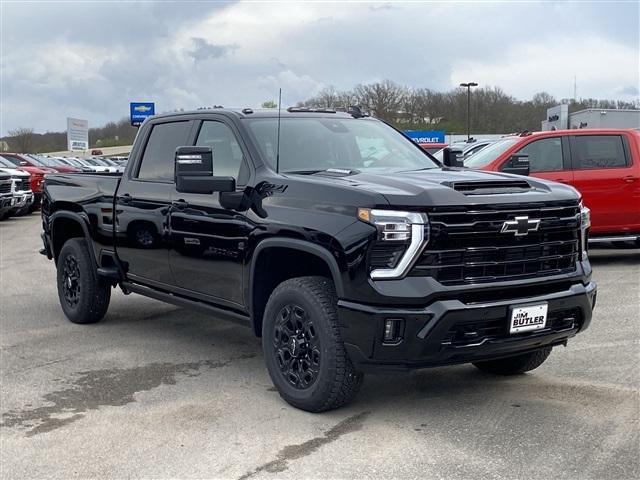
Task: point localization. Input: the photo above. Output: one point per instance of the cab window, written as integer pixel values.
(545, 155)
(159, 153)
(598, 151)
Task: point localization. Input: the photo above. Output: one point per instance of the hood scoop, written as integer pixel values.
(491, 187)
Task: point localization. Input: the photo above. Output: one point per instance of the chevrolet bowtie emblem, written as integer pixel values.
(520, 226)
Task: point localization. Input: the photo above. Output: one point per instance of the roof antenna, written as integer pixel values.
(278, 138)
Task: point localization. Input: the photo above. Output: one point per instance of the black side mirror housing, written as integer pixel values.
(517, 164)
(194, 172)
(452, 157)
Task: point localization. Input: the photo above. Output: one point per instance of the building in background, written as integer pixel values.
(559, 118)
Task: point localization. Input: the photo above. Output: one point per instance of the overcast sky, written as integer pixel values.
(90, 59)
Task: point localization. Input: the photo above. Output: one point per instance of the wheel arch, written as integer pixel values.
(263, 279)
(65, 225)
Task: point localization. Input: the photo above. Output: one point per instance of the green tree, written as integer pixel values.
(269, 104)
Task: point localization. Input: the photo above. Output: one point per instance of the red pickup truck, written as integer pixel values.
(603, 165)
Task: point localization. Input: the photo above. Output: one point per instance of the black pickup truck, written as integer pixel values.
(340, 242)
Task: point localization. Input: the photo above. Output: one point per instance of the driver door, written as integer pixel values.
(208, 241)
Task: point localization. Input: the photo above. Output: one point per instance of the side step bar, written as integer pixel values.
(188, 303)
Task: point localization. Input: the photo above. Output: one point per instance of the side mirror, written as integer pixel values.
(518, 164)
(194, 172)
(451, 157)
(23, 163)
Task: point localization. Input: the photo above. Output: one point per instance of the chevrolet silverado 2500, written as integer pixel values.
(344, 245)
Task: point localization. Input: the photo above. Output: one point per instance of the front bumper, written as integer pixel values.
(7, 202)
(451, 331)
(23, 200)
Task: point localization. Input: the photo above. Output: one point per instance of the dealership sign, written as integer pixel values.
(140, 111)
(425, 136)
(77, 134)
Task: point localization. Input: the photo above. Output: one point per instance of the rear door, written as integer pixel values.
(143, 202)
(605, 175)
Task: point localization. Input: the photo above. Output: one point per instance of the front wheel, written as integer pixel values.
(304, 353)
(515, 365)
(84, 296)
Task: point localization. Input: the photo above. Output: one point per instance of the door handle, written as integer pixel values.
(180, 204)
(126, 199)
(629, 179)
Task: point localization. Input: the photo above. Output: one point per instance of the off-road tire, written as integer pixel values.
(337, 382)
(93, 293)
(515, 365)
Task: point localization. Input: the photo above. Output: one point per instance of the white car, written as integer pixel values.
(20, 188)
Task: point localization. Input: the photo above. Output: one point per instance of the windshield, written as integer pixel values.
(321, 143)
(45, 161)
(6, 163)
(489, 153)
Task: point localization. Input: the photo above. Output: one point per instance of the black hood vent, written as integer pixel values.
(490, 187)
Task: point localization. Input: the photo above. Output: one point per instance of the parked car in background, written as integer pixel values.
(603, 165)
(20, 189)
(467, 148)
(24, 160)
(55, 163)
(103, 162)
(36, 178)
(73, 163)
(91, 164)
(6, 197)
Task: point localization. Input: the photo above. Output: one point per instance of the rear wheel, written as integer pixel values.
(515, 365)
(304, 353)
(84, 296)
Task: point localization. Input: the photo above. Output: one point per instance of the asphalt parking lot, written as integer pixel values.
(156, 391)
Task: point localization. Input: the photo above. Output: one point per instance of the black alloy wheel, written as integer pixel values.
(84, 296)
(297, 346)
(71, 281)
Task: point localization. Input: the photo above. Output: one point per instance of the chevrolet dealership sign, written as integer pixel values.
(140, 111)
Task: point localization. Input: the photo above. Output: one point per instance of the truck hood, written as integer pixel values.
(14, 172)
(451, 186)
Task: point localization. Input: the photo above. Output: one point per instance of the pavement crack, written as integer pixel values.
(105, 387)
(295, 452)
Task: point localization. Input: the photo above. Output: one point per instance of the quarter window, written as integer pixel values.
(545, 155)
(598, 151)
(159, 154)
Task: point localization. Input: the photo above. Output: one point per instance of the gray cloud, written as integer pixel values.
(90, 59)
(204, 50)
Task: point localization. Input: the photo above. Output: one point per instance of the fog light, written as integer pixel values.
(393, 328)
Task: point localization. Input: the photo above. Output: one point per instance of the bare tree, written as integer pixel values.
(384, 98)
(22, 139)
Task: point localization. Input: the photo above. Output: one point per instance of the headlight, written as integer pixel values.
(405, 232)
(585, 224)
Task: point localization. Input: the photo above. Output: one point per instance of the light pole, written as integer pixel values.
(468, 85)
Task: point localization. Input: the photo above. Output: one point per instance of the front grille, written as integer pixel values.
(5, 186)
(23, 184)
(467, 246)
(477, 331)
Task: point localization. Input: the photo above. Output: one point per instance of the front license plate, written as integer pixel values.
(526, 319)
